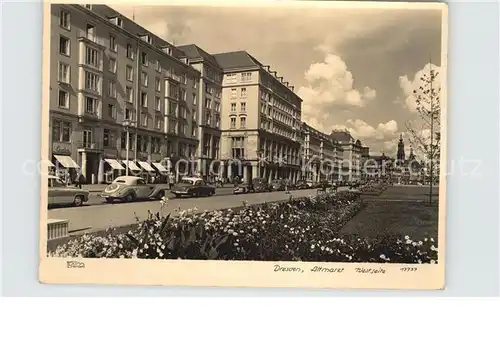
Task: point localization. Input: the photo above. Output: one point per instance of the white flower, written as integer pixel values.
(432, 240)
(407, 237)
(419, 261)
(254, 230)
(414, 243)
(425, 239)
(408, 242)
(420, 242)
(433, 248)
(312, 247)
(382, 257)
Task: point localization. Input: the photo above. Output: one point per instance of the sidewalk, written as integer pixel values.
(94, 188)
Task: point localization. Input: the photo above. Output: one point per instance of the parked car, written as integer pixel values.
(261, 185)
(61, 194)
(244, 188)
(302, 184)
(278, 185)
(192, 186)
(131, 188)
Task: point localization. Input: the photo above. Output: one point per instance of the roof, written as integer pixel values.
(194, 179)
(237, 59)
(341, 135)
(193, 51)
(127, 178)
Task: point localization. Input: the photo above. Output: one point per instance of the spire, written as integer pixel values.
(401, 137)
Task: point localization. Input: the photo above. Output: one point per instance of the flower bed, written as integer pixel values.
(372, 189)
(304, 229)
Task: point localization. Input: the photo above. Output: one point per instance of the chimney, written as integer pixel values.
(281, 79)
(287, 84)
(291, 87)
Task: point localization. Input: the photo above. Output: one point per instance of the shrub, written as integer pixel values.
(302, 229)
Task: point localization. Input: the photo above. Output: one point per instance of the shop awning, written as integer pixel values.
(147, 167)
(66, 161)
(160, 167)
(114, 163)
(131, 165)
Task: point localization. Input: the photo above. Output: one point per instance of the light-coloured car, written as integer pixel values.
(61, 194)
(192, 186)
(130, 188)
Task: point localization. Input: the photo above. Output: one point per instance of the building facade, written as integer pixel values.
(208, 98)
(111, 78)
(352, 150)
(260, 121)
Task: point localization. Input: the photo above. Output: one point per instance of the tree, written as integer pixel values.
(425, 137)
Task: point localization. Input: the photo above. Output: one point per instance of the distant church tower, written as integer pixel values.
(401, 149)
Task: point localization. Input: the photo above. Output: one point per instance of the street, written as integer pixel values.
(95, 199)
(99, 217)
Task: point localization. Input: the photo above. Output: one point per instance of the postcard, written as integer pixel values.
(244, 144)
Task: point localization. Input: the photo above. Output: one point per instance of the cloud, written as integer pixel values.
(330, 84)
(409, 87)
(382, 137)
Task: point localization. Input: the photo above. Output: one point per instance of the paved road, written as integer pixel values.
(95, 199)
(119, 214)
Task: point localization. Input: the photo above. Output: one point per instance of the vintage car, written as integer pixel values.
(61, 194)
(192, 186)
(302, 184)
(131, 188)
(278, 185)
(257, 185)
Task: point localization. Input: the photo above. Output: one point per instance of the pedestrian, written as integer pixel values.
(171, 180)
(236, 181)
(80, 179)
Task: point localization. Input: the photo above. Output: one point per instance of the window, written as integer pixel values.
(172, 126)
(158, 66)
(65, 19)
(129, 114)
(61, 131)
(173, 92)
(217, 106)
(91, 81)
(112, 111)
(233, 122)
(182, 112)
(233, 107)
(90, 32)
(147, 38)
(144, 99)
(64, 47)
(144, 58)
(237, 147)
(144, 79)
(208, 89)
(144, 119)
(217, 120)
(194, 99)
(63, 99)
(194, 116)
(130, 73)
(246, 76)
(112, 65)
(155, 145)
(157, 84)
(130, 95)
(106, 138)
(193, 131)
(158, 121)
(183, 128)
(243, 92)
(182, 94)
(172, 108)
(91, 57)
(90, 105)
(216, 148)
(64, 73)
(157, 103)
(130, 52)
(234, 93)
(243, 107)
(112, 89)
(243, 122)
(231, 78)
(208, 103)
(113, 46)
(88, 6)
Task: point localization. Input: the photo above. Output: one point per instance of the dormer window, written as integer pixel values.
(147, 38)
(117, 20)
(167, 50)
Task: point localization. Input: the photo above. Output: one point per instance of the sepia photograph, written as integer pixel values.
(266, 144)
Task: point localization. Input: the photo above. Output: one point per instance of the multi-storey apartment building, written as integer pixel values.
(322, 156)
(260, 121)
(351, 164)
(111, 78)
(207, 98)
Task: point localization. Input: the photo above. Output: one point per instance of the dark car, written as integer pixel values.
(192, 186)
(278, 185)
(261, 185)
(302, 184)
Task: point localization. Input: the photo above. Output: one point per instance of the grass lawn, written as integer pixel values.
(396, 212)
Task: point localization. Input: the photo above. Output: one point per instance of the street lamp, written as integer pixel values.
(127, 124)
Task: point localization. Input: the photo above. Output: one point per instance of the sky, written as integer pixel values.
(355, 68)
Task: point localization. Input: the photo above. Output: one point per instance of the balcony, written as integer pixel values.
(89, 146)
